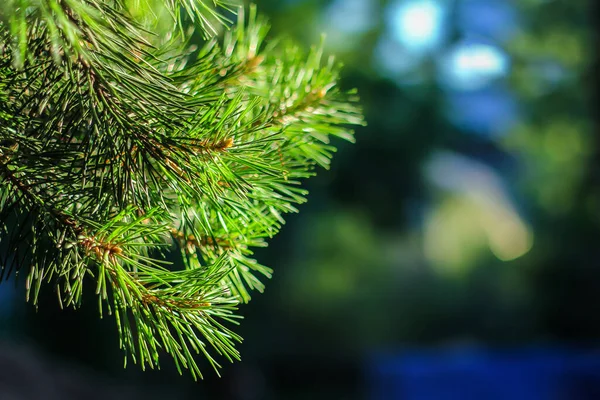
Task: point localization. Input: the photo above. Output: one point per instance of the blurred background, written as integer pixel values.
(451, 253)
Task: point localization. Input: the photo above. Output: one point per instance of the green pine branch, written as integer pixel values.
(118, 146)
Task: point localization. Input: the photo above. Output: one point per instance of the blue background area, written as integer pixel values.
(536, 374)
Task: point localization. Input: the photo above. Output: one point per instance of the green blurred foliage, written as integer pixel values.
(389, 259)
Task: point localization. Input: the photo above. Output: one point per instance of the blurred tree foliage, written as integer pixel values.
(375, 287)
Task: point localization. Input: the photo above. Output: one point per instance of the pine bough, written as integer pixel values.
(120, 147)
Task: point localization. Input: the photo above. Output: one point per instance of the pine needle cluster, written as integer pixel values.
(120, 147)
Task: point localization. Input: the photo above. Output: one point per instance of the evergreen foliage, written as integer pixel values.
(119, 146)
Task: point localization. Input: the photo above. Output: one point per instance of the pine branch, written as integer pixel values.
(116, 148)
